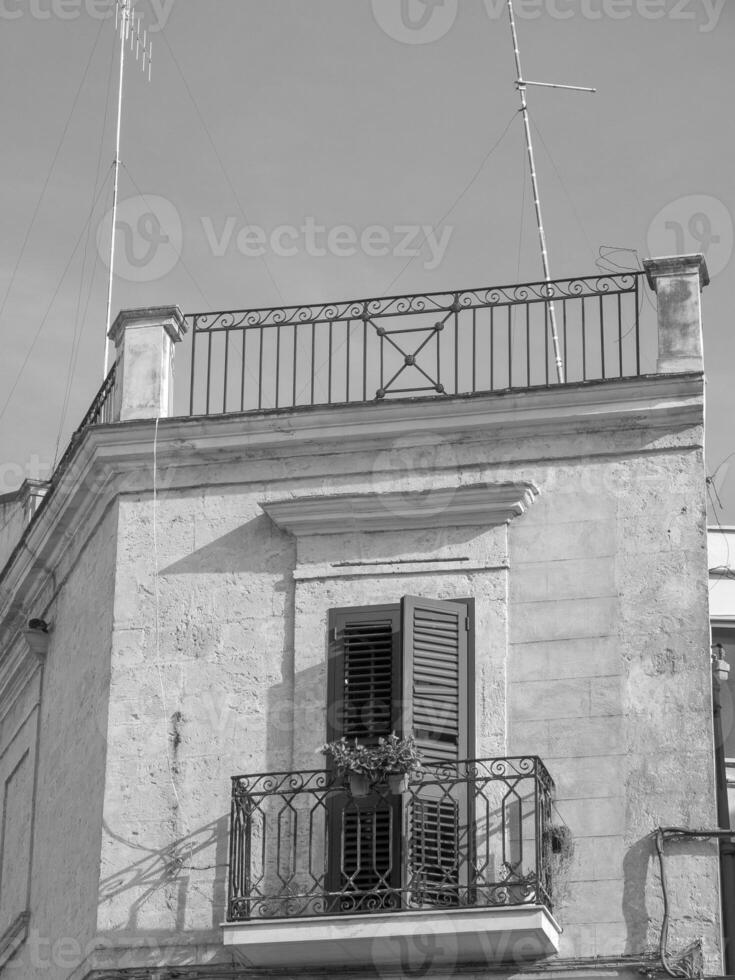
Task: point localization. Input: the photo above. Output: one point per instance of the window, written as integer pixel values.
(404, 668)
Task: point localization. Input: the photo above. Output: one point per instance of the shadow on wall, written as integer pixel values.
(282, 734)
(259, 547)
(196, 862)
(256, 546)
(635, 875)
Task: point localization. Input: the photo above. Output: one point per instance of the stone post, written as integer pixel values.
(678, 281)
(144, 340)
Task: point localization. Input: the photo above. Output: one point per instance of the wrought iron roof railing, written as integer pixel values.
(476, 340)
(100, 411)
(472, 833)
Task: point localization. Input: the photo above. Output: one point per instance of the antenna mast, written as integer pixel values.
(521, 86)
(125, 21)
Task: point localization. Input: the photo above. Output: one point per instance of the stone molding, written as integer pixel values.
(677, 265)
(378, 570)
(169, 317)
(114, 459)
(482, 504)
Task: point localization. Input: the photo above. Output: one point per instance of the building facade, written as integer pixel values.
(515, 575)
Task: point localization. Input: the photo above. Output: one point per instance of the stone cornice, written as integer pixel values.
(665, 401)
(677, 265)
(114, 459)
(475, 504)
(169, 317)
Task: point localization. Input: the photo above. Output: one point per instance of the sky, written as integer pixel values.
(273, 133)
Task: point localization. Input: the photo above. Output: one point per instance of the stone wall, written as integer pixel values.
(69, 765)
(189, 644)
(592, 652)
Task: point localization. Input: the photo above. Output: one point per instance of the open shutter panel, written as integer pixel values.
(435, 644)
(433, 851)
(364, 680)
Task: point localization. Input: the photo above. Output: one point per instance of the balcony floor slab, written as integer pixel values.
(427, 938)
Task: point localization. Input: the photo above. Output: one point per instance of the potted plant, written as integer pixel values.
(391, 761)
(358, 762)
(558, 854)
(399, 757)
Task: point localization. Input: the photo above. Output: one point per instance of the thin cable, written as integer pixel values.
(563, 185)
(188, 271)
(520, 243)
(436, 224)
(710, 486)
(79, 323)
(219, 160)
(74, 346)
(720, 465)
(191, 276)
(520, 222)
(459, 197)
(50, 172)
(603, 260)
(46, 314)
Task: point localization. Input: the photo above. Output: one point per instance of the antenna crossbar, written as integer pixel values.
(571, 88)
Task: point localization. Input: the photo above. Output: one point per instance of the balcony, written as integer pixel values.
(456, 867)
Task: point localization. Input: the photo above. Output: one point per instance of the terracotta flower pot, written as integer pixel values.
(359, 784)
(398, 782)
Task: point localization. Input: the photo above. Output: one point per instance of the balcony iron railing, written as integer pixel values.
(473, 833)
(478, 340)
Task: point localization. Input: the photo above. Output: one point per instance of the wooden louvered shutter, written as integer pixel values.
(434, 851)
(364, 673)
(364, 683)
(437, 695)
(439, 699)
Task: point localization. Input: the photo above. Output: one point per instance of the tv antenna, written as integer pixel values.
(521, 85)
(128, 22)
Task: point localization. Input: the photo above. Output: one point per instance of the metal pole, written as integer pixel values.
(536, 201)
(123, 26)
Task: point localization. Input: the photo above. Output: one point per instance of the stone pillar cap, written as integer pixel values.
(170, 318)
(671, 265)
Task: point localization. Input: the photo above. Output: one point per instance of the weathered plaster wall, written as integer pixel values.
(12, 522)
(70, 766)
(608, 691)
(610, 684)
(18, 757)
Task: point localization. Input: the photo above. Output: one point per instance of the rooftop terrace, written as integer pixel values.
(464, 343)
